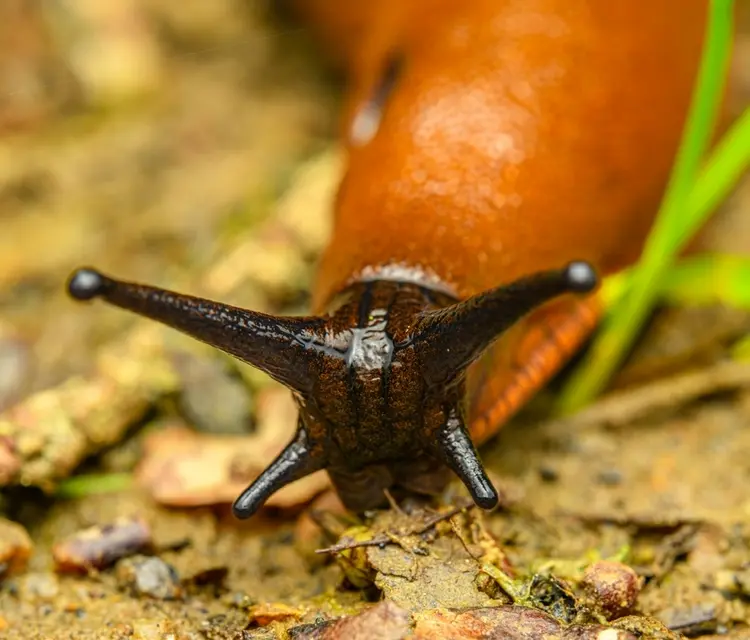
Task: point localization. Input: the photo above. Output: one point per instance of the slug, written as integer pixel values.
(502, 156)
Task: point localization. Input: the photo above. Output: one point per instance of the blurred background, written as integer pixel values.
(147, 137)
(193, 145)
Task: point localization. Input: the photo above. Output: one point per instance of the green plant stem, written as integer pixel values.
(621, 326)
(94, 483)
(703, 279)
(727, 164)
(741, 350)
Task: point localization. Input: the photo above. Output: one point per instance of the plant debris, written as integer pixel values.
(16, 548)
(507, 622)
(45, 437)
(383, 621)
(100, 546)
(412, 527)
(183, 468)
(264, 614)
(671, 394)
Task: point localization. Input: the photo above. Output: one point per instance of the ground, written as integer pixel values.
(212, 170)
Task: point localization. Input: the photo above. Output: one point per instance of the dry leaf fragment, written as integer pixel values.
(266, 613)
(508, 622)
(102, 545)
(384, 621)
(182, 468)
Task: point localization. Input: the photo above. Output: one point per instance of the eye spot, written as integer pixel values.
(366, 121)
(365, 124)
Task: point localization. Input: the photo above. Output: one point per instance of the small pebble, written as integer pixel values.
(548, 473)
(612, 586)
(609, 477)
(239, 600)
(15, 548)
(212, 399)
(149, 576)
(38, 587)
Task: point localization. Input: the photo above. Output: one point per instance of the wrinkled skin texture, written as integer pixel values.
(514, 136)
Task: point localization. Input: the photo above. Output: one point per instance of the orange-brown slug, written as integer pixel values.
(500, 154)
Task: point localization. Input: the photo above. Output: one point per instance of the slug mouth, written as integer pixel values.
(432, 348)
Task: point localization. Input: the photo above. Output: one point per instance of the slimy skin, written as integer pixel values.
(501, 154)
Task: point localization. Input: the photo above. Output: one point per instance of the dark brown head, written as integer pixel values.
(379, 381)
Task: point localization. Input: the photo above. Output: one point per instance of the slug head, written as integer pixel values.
(379, 380)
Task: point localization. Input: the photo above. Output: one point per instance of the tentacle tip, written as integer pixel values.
(86, 284)
(482, 492)
(247, 503)
(581, 277)
(242, 512)
(486, 499)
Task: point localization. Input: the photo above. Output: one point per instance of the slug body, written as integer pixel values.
(500, 153)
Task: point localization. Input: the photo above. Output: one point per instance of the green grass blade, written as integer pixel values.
(671, 228)
(95, 483)
(696, 281)
(727, 164)
(709, 279)
(741, 350)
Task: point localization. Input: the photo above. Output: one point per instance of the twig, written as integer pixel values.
(392, 502)
(383, 539)
(623, 408)
(645, 522)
